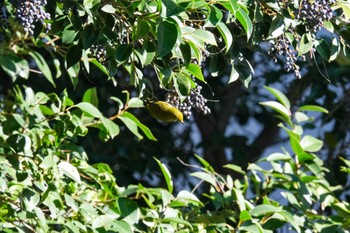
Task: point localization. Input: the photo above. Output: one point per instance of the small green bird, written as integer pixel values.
(164, 111)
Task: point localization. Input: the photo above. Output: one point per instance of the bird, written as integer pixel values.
(164, 111)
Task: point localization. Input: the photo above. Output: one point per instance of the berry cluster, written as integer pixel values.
(29, 12)
(99, 52)
(284, 49)
(195, 100)
(314, 13)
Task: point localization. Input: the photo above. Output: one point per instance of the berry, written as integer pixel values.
(284, 49)
(314, 13)
(99, 52)
(194, 100)
(29, 12)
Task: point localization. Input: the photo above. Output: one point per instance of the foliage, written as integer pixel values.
(48, 185)
(144, 49)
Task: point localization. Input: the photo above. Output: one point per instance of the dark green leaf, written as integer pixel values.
(215, 16)
(168, 32)
(182, 84)
(31, 199)
(88, 36)
(68, 35)
(42, 65)
(73, 55)
(144, 128)
(123, 52)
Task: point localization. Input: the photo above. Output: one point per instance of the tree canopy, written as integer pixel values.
(91, 92)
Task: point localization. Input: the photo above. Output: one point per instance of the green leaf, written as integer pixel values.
(185, 49)
(265, 209)
(172, 8)
(345, 5)
(135, 103)
(108, 9)
(129, 210)
(88, 36)
(42, 65)
(182, 84)
(123, 52)
(244, 19)
(253, 228)
(142, 29)
(90, 96)
(323, 48)
(206, 165)
(276, 28)
(150, 50)
(168, 33)
(41, 219)
(301, 117)
(280, 96)
(234, 5)
(100, 66)
(196, 71)
(195, 51)
(131, 125)
(104, 221)
(111, 128)
(206, 177)
(73, 55)
(122, 227)
(313, 108)
(186, 195)
(235, 168)
(278, 107)
(70, 202)
(278, 157)
(22, 67)
(234, 75)
(14, 66)
(31, 199)
(177, 220)
(305, 44)
(304, 156)
(144, 128)
(68, 34)
(89, 109)
(244, 216)
(240, 199)
(69, 170)
(8, 65)
(166, 175)
(215, 16)
(200, 36)
(311, 144)
(226, 35)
